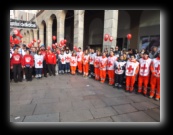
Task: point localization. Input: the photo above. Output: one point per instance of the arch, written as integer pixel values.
(43, 26)
(93, 28)
(69, 28)
(53, 24)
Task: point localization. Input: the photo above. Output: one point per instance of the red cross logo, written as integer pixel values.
(144, 67)
(96, 62)
(73, 62)
(157, 68)
(109, 64)
(68, 58)
(91, 59)
(39, 63)
(130, 68)
(62, 60)
(78, 56)
(84, 59)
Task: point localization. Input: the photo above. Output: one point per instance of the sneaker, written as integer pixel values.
(150, 96)
(89, 76)
(116, 84)
(157, 99)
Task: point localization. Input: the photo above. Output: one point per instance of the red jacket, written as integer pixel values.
(16, 59)
(51, 58)
(27, 60)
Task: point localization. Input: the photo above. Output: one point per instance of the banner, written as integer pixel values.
(22, 24)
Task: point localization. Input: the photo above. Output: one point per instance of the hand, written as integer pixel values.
(23, 66)
(11, 67)
(30, 66)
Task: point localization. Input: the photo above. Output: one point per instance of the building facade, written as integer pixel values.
(83, 28)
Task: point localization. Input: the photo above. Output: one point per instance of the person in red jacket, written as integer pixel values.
(27, 64)
(43, 52)
(51, 62)
(16, 61)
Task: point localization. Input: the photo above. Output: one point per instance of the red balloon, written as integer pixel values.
(16, 41)
(20, 36)
(65, 41)
(62, 42)
(34, 40)
(129, 36)
(106, 37)
(110, 38)
(38, 41)
(53, 46)
(56, 44)
(54, 37)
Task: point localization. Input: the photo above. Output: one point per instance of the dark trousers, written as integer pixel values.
(11, 74)
(67, 67)
(119, 78)
(62, 67)
(28, 73)
(51, 69)
(17, 72)
(45, 68)
(38, 71)
(91, 69)
(33, 71)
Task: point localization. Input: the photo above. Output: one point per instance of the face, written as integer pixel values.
(121, 57)
(145, 56)
(62, 52)
(132, 57)
(27, 51)
(104, 54)
(154, 49)
(111, 53)
(116, 48)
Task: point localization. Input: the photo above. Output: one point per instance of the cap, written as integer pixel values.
(79, 47)
(24, 45)
(42, 45)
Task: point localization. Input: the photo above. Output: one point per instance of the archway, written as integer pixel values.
(54, 27)
(93, 29)
(44, 33)
(69, 28)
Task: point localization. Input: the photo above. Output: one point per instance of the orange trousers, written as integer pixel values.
(73, 69)
(97, 73)
(155, 86)
(102, 75)
(79, 64)
(86, 69)
(143, 80)
(130, 81)
(111, 76)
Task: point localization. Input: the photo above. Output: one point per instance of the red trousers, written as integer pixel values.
(143, 80)
(97, 73)
(155, 86)
(111, 76)
(102, 75)
(79, 64)
(73, 69)
(86, 69)
(130, 81)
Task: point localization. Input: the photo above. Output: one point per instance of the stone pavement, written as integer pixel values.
(73, 98)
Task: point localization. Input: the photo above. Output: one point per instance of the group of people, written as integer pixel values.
(143, 67)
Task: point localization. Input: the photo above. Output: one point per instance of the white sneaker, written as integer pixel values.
(150, 96)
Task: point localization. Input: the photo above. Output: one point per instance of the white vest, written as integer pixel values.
(131, 68)
(38, 61)
(111, 62)
(79, 56)
(73, 61)
(62, 59)
(86, 58)
(119, 64)
(67, 57)
(92, 58)
(96, 61)
(144, 66)
(156, 65)
(102, 62)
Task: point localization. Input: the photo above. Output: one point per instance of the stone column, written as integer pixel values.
(41, 35)
(110, 27)
(49, 34)
(35, 37)
(27, 37)
(30, 36)
(60, 26)
(78, 28)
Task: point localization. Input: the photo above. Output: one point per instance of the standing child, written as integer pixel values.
(62, 62)
(67, 59)
(102, 66)
(132, 68)
(38, 58)
(96, 65)
(73, 63)
(85, 63)
(79, 60)
(119, 71)
(27, 64)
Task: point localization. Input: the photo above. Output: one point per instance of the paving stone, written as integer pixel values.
(154, 113)
(127, 108)
(144, 105)
(105, 119)
(133, 117)
(16, 118)
(97, 103)
(76, 116)
(43, 118)
(103, 112)
(82, 105)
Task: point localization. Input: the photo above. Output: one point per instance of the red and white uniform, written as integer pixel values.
(43, 52)
(96, 61)
(102, 66)
(67, 57)
(79, 56)
(27, 60)
(86, 59)
(111, 62)
(62, 59)
(16, 59)
(73, 61)
(38, 61)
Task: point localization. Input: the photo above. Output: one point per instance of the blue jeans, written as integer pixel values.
(67, 67)
(38, 71)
